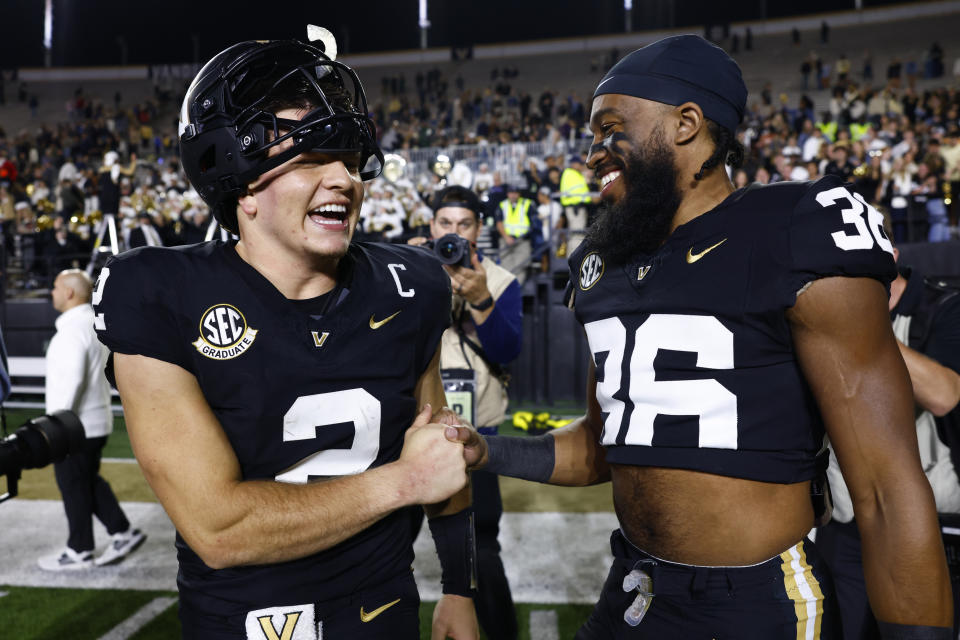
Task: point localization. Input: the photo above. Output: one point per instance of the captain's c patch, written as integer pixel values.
(224, 333)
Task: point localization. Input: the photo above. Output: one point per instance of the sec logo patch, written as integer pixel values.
(224, 333)
(590, 270)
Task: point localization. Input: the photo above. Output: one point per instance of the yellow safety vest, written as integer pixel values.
(516, 220)
(829, 130)
(574, 187)
(858, 130)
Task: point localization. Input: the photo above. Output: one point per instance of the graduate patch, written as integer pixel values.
(224, 333)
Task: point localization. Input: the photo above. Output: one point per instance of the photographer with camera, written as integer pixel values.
(486, 333)
(75, 381)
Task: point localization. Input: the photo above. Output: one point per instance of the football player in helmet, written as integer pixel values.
(728, 328)
(271, 385)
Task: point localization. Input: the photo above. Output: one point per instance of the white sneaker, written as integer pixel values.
(66, 560)
(121, 545)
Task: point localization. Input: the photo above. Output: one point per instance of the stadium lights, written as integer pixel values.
(424, 24)
(48, 33)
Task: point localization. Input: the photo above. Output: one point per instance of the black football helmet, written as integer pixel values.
(228, 124)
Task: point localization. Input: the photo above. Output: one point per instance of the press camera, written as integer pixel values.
(37, 443)
(452, 249)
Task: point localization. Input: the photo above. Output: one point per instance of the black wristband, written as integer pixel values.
(483, 305)
(890, 631)
(529, 458)
(453, 537)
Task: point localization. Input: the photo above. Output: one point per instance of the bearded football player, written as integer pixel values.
(271, 385)
(729, 329)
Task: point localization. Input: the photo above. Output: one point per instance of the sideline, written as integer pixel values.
(140, 619)
(550, 558)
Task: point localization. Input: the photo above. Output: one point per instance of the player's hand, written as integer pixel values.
(435, 465)
(448, 416)
(454, 617)
(474, 446)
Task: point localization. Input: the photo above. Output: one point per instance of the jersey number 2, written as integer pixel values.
(636, 407)
(351, 405)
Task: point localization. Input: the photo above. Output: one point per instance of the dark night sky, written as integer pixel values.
(86, 32)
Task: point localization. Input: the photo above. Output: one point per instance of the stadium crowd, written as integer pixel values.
(899, 146)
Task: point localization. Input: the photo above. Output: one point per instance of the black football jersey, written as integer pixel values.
(695, 365)
(301, 393)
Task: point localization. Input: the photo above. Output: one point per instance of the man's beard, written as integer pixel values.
(641, 220)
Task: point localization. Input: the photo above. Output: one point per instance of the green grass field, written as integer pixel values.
(30, 613)
(57, 614)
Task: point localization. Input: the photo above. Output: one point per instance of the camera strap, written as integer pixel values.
(498, 371)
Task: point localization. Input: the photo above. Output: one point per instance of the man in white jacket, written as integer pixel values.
(75, 381)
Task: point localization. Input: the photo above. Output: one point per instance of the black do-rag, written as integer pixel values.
(682, 69)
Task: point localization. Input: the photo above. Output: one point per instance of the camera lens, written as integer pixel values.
(450, 249)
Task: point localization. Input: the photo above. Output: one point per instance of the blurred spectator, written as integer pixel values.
(805, 68)
(843, 69)
(867, 69)
(933, 66)
(574, 197)
(69, 196)
(894, 70)
(62, 248)
(8, 170)
(549, 212)
(812, 145)
(840, 164)
(515, 219)
(144, 234)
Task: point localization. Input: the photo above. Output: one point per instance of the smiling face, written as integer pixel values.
(306, 208)
(637, 170)
(620, 125)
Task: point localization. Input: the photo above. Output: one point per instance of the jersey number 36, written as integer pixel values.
(644, 398)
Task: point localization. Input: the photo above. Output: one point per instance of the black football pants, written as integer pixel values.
(86, 494)
(389, 611)
(495, 610)
(787, 597)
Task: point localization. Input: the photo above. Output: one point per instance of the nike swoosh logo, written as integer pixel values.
(693, 257)
(376, 324)
(367, 617)
(604, 81)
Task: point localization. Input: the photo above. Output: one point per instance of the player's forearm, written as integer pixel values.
(454, 504)
(569, 456)
(580, 459)
(935, 387)
(267, 522)
(901, 523)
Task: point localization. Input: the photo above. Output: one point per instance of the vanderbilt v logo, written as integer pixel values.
(289, 624)
(319, 338)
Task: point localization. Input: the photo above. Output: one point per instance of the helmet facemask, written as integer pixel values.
(232, 110)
